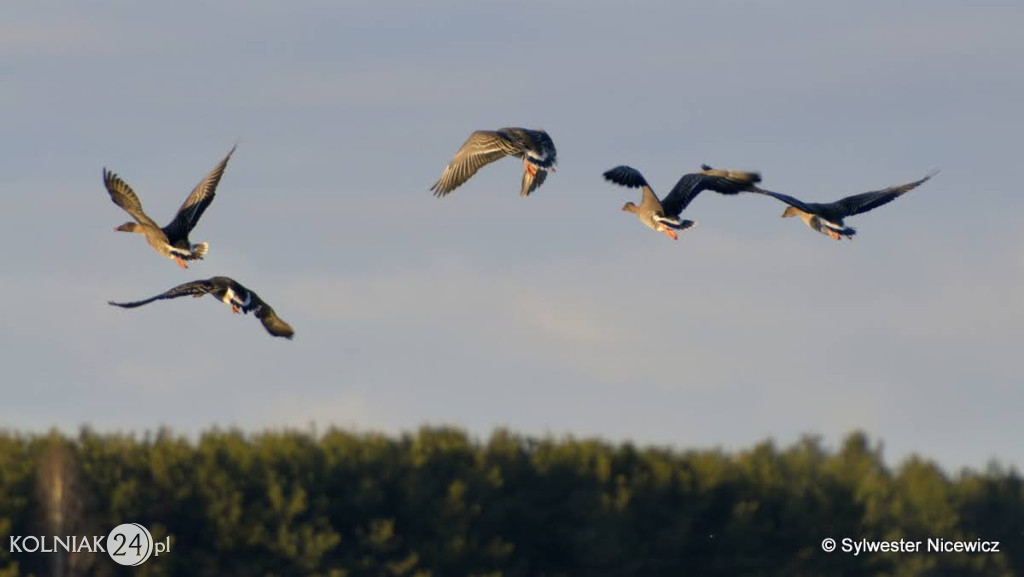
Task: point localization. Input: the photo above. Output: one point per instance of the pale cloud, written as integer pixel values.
(58, 39)
(352, 409)
(564, 320)
(384, 85)
(705, 323)
(161, 380)
(948, 34)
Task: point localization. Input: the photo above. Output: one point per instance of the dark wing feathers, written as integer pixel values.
(480, 149)
(124, 197)
(631, 178)
(688, 187)
(794, 202)
(194, 288)
(264, 312)
(532, 183)
(197, 202)
(538, 148)
(861, 203)
(217, 285)
(683, 225)
(721, 181)
(626, 176)
(273, 323)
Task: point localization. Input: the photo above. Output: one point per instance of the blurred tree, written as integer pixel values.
(439, 503)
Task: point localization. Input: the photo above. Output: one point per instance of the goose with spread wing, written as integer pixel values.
(828, 217)
(172, 240)
(229, 292)
(534, 147)
(663, 215)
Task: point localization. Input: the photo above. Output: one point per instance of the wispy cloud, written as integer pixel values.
(60, 39)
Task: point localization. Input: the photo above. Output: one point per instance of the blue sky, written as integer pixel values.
(556, 314)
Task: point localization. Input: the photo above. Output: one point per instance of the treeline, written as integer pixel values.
(438, 503)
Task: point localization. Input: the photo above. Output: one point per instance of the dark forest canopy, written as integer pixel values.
(440, 503)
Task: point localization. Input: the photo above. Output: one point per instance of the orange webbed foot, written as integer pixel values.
(180, 262)
(530, 167)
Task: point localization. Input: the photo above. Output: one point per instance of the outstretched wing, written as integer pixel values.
(195, 205)
(860, 203)
(273, 323)
(125, 197)
(721, 181)
(794, 202)
(626, 176)
(631, 178)
(480, 149)
(195, 288)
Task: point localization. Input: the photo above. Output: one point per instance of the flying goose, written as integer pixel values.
(827, 218)
(171, 240)
(663, 215)
(483, 147)
(231, 293)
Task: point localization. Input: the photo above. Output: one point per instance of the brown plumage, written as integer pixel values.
(663, 215)
(172, 240)
(534, 147)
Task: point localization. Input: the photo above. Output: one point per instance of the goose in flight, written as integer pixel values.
(534, 147)
(231, 293)
(827, 217)
(663, 215)
(171, 240)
